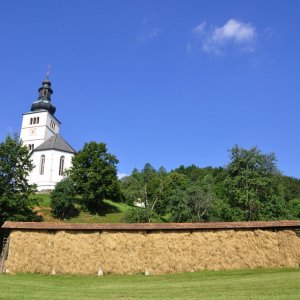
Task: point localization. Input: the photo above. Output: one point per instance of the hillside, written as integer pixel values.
(111, 212)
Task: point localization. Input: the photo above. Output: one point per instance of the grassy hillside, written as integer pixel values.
(242, 284)
(110, 212)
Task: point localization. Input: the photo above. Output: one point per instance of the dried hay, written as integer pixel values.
(30, 252)
(78, 252)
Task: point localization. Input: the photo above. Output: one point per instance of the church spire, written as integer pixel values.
(44, 100)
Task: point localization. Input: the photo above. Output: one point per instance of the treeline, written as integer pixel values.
(249, 188)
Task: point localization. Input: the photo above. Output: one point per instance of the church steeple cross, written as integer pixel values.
(48, 72)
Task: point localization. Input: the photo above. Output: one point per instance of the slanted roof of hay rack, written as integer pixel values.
(286, 224)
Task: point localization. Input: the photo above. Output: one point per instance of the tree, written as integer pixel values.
(253, 187)
(94, 173)
(200, 202)
(291, 187)
(294, 208)
(15, 191)
(131, 188)
(62, 199)
(178, 207)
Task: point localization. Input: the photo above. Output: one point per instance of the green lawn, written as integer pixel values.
(111, 212)
(241, 284)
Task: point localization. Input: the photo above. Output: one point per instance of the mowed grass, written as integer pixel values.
(240, 284)
(111, 212)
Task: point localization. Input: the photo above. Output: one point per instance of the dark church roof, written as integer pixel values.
(56, 142)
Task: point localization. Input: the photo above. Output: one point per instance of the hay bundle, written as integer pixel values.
(30, 252)
(76, 252)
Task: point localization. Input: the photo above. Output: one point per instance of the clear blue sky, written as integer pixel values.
(165, 82)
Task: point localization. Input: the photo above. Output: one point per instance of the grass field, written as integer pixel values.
(241, 284)
(111, 212)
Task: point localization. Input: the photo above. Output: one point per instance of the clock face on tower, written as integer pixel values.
(32, 131)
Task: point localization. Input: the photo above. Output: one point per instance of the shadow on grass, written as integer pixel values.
(73, 212)
(100, 209)
(106, 208)
(67, 212)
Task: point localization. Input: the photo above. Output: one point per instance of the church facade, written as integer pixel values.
(50, 153)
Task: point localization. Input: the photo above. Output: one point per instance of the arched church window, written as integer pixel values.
(38, 120)
(34, 120)
(42, 164)
(31, 121)
(61, 165)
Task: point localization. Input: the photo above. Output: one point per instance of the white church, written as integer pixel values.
(50, 153)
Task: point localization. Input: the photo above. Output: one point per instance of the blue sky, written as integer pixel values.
(165, 82)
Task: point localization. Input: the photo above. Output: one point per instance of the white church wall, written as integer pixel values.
(50, 176)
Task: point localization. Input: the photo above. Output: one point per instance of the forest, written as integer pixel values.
(250, 187)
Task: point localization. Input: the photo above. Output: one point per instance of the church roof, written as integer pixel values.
(44, 100)
(56, 142)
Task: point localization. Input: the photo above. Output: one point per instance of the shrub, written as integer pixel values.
(62, 199)
(140, 215)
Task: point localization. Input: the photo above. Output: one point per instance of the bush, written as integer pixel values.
(140, 215)
(62, 199)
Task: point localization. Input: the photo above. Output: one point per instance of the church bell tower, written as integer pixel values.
(50, 153)
(40, 124)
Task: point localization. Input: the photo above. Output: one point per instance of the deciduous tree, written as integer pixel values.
(253, 187)
(15, 166)
(94, 173)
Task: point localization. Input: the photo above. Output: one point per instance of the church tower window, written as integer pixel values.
(61, 165)
(42, 165)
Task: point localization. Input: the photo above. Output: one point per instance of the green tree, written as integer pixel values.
(253, 188)
(132, 188)
(178, 208)
(173, 184)
(291, 187)
(145, 187)
(294, 208)
(62, 199)
(94, 173)
(201, 202)
(15, 166)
